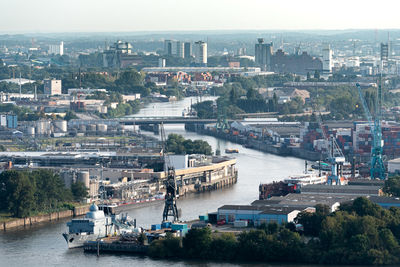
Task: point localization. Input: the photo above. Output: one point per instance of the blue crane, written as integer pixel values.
(377, 170)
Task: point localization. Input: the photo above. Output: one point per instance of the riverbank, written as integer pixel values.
(33, 220)
(278, 149)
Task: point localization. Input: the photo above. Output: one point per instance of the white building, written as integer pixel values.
(52, 87)
(200, 53)
(327, 63)
(57, 49)
(87, 91)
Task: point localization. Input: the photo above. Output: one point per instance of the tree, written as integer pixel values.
(17, 193)
(79, 190)
(392, 186)
(197, 242)
(179, 145)
(233, 95)
(224, 247)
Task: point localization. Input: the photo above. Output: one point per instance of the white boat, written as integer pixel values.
(306, 179)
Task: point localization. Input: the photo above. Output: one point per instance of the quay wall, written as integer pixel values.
(54, 216)
(258, 145)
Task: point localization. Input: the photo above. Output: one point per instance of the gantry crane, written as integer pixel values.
(377, 170)
(335, 155)
(170, 209)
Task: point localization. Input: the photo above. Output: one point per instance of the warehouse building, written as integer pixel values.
(257, 215)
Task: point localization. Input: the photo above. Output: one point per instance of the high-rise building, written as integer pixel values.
(168, 47)
(56, 49)
(187, 50)
(384, 52)
(52, 87)
(180, 49)
(161, 62)
(263, 54)
(200, 53)
(327, 63)
(174, 48)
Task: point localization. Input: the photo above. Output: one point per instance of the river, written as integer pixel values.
(43, 245)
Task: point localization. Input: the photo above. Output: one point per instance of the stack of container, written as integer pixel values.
(309, 134)
(155, 227)
(166, 225)
(203, 218)
(182, 228)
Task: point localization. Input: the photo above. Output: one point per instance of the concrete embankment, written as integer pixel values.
(54, 216)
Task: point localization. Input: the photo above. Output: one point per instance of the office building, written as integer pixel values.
(187, 50)
(200, 53)
(52, 87)
(56, 49)
(263, 54)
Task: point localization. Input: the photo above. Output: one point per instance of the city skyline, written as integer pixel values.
(46, 16)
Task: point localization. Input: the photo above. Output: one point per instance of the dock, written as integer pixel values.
(115, 246)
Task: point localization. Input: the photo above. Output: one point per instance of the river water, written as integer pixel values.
(43, 245)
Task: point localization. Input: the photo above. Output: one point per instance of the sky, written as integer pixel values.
(49, 16)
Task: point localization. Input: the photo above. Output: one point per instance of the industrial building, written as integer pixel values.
(257, 215)
(52, 87)
(343, 190)
(263, 54)
(296, 63)
(56, 49)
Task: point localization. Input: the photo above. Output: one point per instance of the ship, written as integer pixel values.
(231, 150)
(101, 221)
(306, 179)
(292, 184)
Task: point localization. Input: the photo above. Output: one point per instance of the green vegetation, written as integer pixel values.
(179, 145)
(123, 109)
(23, 114)
(359, 233)
(392, 186)
(24, 193)
(240, 95)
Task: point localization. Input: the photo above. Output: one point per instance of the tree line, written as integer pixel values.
(24, 193)
(359, 233)
(177, 144)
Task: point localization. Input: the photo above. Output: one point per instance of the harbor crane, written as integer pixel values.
(335, 154)
(170, 209)
(377, 170)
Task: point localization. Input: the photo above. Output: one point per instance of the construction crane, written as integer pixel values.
(377, 170)
(170, 209)
(335, 154)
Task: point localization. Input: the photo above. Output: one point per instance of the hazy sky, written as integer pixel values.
(175, 15)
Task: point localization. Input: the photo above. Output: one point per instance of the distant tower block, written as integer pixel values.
(327, 59)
